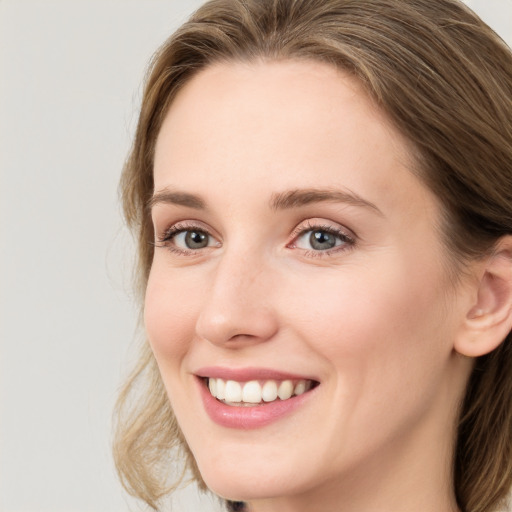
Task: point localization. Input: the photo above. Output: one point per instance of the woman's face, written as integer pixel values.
(295, 250)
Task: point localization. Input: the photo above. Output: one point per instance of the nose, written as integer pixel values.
(237, 308)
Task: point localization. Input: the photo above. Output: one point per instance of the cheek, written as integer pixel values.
(358, 309)
(385, 336)
(169, 315)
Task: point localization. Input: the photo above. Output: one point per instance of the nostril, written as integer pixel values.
(237, 324)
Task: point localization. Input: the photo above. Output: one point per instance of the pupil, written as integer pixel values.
(196, 240)
(320, 240)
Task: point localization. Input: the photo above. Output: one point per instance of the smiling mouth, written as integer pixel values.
(253, 393)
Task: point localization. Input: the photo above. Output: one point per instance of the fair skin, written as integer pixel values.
(366, 311)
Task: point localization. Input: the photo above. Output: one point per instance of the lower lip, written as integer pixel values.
(246, 418)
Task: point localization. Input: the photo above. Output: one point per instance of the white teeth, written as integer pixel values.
(233, 391)
(252, 392)
(221, 389)
(212, 385)
(255, 392)
(300, 387)
(285, 390)
(269, 391)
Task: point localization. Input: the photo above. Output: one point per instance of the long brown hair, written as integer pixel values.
(445, 79)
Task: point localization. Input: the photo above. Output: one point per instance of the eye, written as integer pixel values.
(192, 239)
(318, 240)
(186, 240)
(321, 239)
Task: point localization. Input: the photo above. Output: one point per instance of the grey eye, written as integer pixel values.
(188, 239)
(322, 240)
(194, 239)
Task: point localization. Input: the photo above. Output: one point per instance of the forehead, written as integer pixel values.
(297, 92)
(280, 124)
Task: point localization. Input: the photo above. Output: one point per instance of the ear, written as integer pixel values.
(489, 319)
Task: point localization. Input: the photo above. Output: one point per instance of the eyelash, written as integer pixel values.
(165, 240)
(348, 241)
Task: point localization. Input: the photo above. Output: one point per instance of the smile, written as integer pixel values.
(248, 398)
(254, 392)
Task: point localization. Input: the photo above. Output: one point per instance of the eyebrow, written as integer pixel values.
(177, 198)
(279, 201)
(302, 197)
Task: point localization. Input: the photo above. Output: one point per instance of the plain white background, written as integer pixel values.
(70, 75)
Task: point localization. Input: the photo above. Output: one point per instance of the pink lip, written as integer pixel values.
(247, 374)
(246, 418)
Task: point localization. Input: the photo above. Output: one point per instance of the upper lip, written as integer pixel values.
(248, 373)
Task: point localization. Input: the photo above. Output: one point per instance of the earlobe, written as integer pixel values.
(489, 319)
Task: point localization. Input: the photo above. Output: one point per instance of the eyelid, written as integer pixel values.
(348, 236)
(183, 225)
(165, 237)
(318, 223)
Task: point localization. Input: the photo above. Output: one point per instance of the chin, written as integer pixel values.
(240, 479)
(244, 490)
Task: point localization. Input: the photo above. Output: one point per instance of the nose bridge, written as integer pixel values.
(238, 303)
(235, 280)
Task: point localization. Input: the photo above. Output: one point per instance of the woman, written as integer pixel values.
(322, 195)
